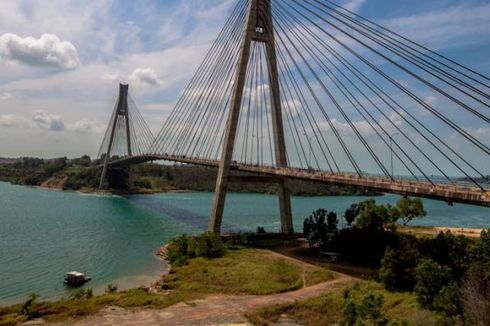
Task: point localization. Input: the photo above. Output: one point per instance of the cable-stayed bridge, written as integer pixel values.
(306, 89)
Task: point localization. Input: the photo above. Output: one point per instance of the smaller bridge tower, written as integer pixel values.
(121, 114)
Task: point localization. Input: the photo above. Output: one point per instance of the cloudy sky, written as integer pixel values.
(61, 60)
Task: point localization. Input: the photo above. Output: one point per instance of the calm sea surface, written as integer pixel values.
(44, 234)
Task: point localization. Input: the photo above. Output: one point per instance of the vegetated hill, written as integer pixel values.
(83, 174)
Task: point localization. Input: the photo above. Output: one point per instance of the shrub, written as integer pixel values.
(363, 310)
(184, 247)
(28, 308)
(82, 294)
(111, 288)
(206, 245)
(261, 230)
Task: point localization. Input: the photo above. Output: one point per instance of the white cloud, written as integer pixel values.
(354, 5)
(454, 26)
(144, 77)
(5, 96)
(48, 50)
(47, 121)
(11, 120)
(85, 126)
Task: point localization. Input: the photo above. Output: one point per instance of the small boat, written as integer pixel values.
(76, 278)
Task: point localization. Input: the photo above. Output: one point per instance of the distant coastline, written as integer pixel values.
(82, 174)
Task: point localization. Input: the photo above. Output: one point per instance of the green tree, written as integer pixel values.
(390, 271)
(431, 278)
(315, 228)
(373, 216)
(409, 208)
(352, 213)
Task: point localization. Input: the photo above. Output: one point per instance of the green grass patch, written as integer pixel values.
(401, 308)
(244, 271)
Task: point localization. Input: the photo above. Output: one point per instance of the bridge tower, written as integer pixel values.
(121, 112)
(259, 28)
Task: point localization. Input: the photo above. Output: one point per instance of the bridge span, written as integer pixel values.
(451, 193)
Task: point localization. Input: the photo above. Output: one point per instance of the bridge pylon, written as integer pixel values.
(258, 28)
(121, 111)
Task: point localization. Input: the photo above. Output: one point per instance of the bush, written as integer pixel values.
(28, 308)
(207, 245)
(363, 310)
(184, 247)
(82, 294)
(111, 288)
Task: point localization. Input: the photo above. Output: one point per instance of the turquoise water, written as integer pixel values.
(44, 234)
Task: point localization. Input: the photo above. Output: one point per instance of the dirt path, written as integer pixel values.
(214, 310)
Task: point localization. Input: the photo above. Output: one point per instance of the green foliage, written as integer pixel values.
(28, 308)
(82, 294)
(82, 178)
(206, 245)
(84, 161)
(431, 278)
(181, 249)
(389, 273)
(111, 288)
(369, 299)
(54, 166)
(398, 264)
(320, 228)
(261, 230)
(374, 216)
(352, 213)
(409, 208)
(365, 310)
(449, 250)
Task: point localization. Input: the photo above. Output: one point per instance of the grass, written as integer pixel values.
(58, 311)
(328, 309)
(243, 271)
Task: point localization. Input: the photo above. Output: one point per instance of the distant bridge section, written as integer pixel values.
(451, 193)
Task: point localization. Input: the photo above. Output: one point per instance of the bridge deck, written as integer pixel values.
(446, 192)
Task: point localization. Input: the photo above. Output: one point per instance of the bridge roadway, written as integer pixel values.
(446, 192)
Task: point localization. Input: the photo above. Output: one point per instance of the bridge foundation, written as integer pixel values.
(258, 28)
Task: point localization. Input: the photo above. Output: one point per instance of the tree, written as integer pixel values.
(373, 216)
(389, 273)
(332, 224)
(408, 209)
(352, 213)
(315, 229)
(431, 278)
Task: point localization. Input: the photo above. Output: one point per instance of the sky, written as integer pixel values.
(61, 60)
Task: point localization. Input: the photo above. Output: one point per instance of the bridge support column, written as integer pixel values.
(258, 29)
(120, 111)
